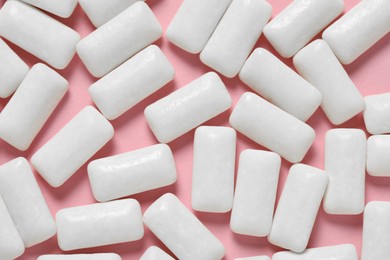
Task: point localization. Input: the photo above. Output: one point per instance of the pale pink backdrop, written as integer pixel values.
(371, 73)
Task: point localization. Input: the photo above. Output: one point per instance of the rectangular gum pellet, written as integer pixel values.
(254, 258)
(213, 169)
(38, 33)
(99, 224)
(132, 172)
(181, 231)
(359, 29)
(102, 256)
(25, 202)
(376, 231)
(235, 36)
(341, 99)
(31, 105)
(377, 113)
(345, 162)
(299, 22)
(72, 146)
(155, 253)
(272, 127)
(119, 39)
(297, 208)
(62, 8)
(131, 82)
(255, 194)
(188, 107)
(378, 154)
(194, 22)
(12, 70)
(271, 78)
(337, 252)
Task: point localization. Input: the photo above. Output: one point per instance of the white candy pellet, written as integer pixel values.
(131, 82)
(359, 29)
(254, 258)
(338, 252)
(72, 146)
(345, 162)
(155, 253)
(255, 194)
(213, 169)
(181, 231)
(376, 231)
(38, 33)
(235, 36)
(103, 256)
(340, 98)
(12, 70)
(101, 11)
(299, 22)
(271, 127)
(62, 8)
(194, 22)
(378, 154)
(276, 82)
(99, 224)
(377, 114)
(25, 202)
(298, 206)
(119, 39)
(188, 107)
(31, 105)
(132, 172)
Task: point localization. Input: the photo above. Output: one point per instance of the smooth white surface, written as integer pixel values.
(25, 202)
(345, 163)
(31, 105)
(272, 79)
(297, 208)
(132, 172)
(72, 146)
(155, 253)
(62, 8)
(120, 38)
(255, 194)
(271, 127)
(213, 169)
(194, 22)
(99, 224)
(299, 22)
(377, 113)
(378, 154)
(131, 82)
(188, 107)
(38, 33)
(359, 29)
(338, 252)
(181, 231)
(254, 258)
(341, 100)
(235, 36)
(103, 256)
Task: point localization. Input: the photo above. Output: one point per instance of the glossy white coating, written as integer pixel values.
(377, 113)
(102, 256)
(62, 8)
(155, 253)
(337, 252)
(378, 154)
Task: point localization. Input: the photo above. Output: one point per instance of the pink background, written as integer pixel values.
(371, 73)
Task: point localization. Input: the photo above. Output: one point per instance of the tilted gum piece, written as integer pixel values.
(378, 154)
(102, 256)
(155, 253)
(337, 252)
(62, 8)
(377, 113)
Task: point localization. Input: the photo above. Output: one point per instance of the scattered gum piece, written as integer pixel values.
(337, 252)
(62, 8)
(102, 256)
(377, 113)
(155, 253)
(378, 154)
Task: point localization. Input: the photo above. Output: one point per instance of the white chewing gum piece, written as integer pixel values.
(102, 256)
(38, 33)
(72, 146)
(272, 127)
(376, 231)
(188, 107)
(12, 70)
(155, 253)
(99, 224)
(345, 163)
(181, 231)
(299, 22)
(341, 100)
(359, 29)
(120, 38)
(255, 194)
(31, 106)
(235, 36)
(25, 202)
(377, 113)
(62, 8)
(101, 11)
(337, 252)
(132, 172)
(378, 154)
(264, 257)
(213, 169)
(194, 22)
(297, 208)
(130, 83)
(271, 78)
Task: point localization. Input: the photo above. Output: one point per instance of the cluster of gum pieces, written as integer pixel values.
(129, 68)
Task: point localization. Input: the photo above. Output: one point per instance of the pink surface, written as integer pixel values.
(371, 74)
